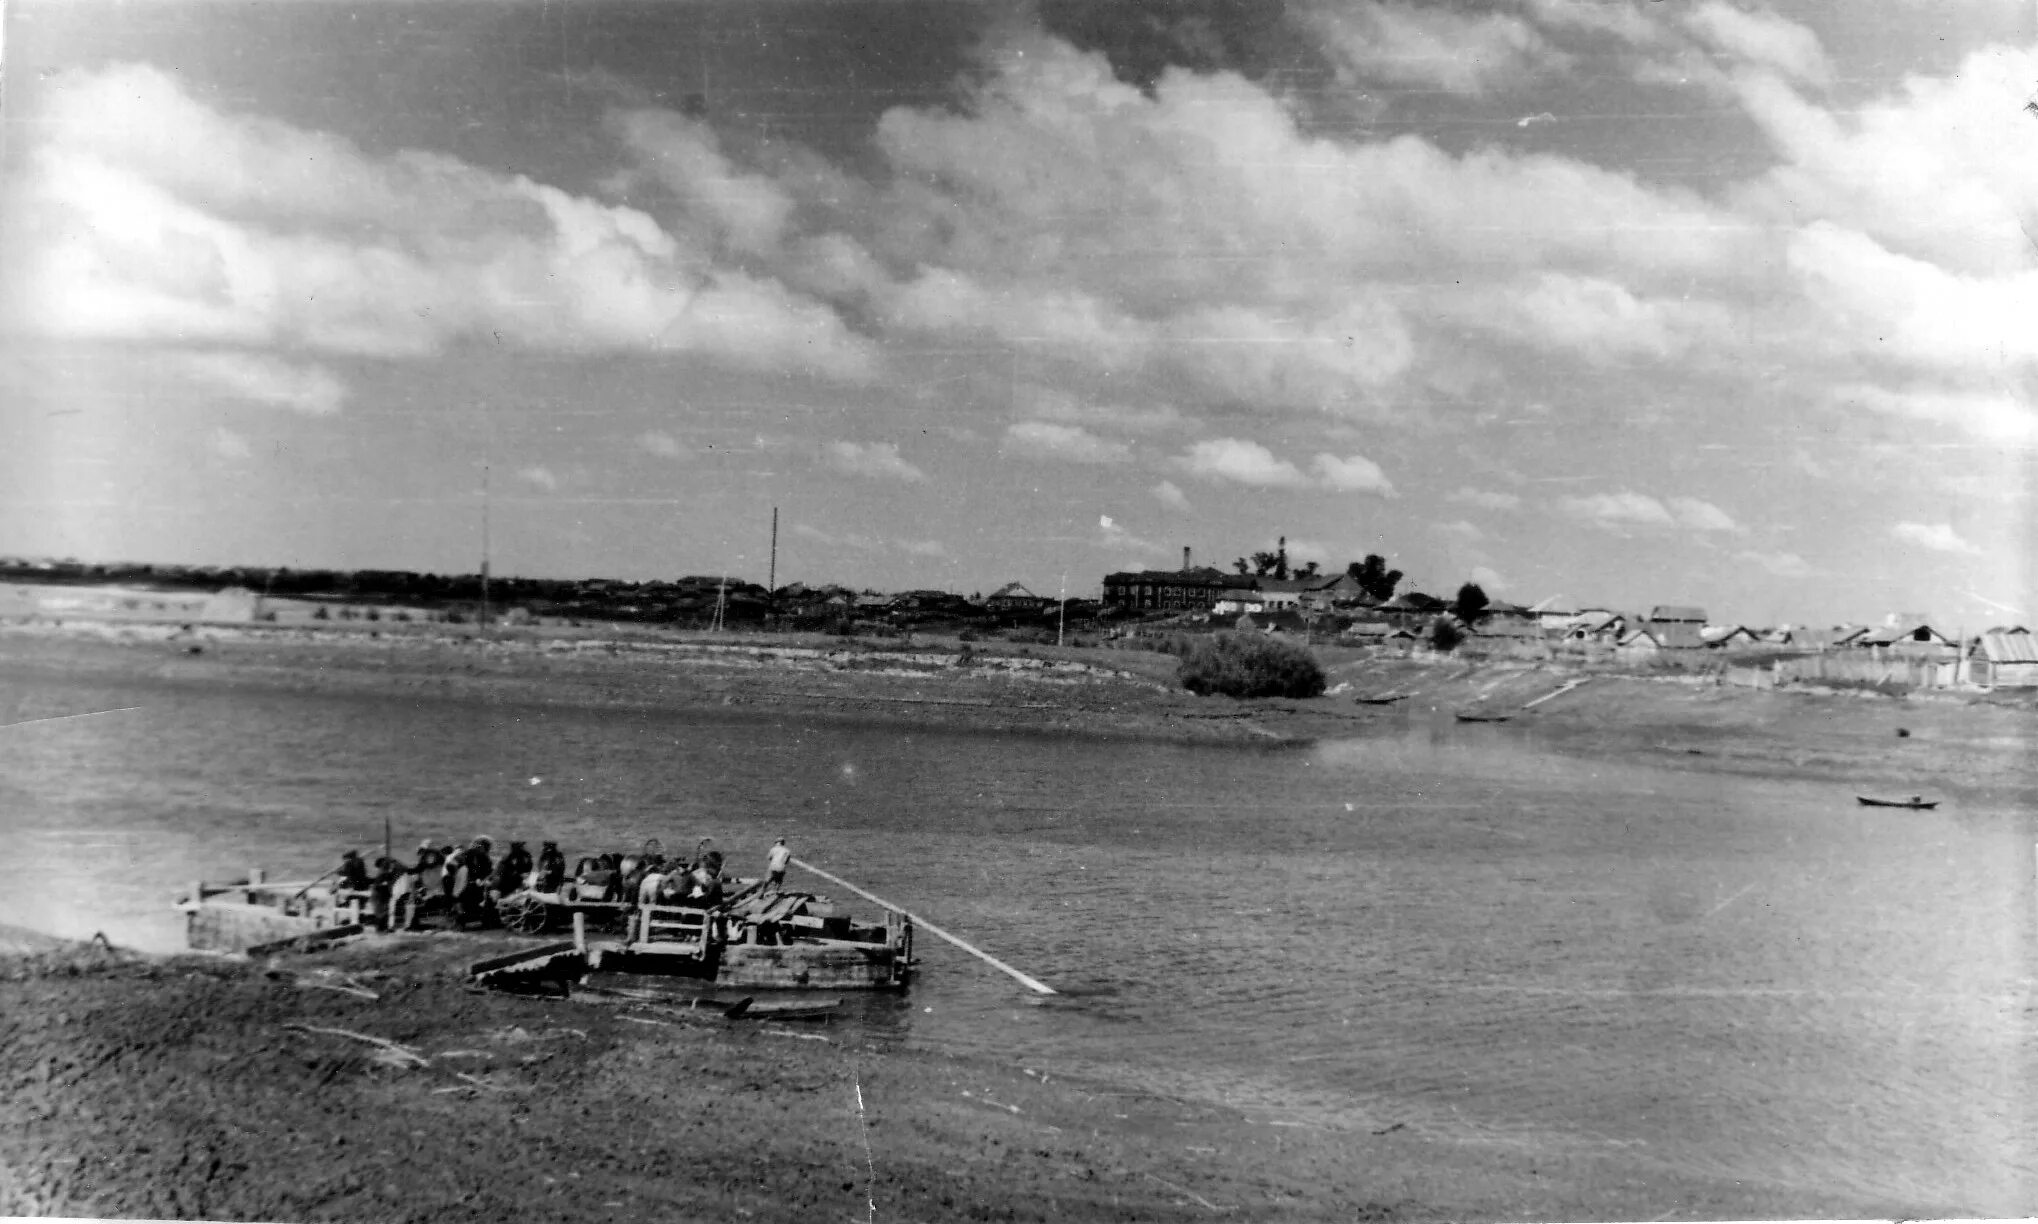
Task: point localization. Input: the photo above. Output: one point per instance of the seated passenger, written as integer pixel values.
(551, 868)
(431, 866)
(509, 874)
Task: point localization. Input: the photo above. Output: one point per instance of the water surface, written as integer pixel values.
(1444, 927)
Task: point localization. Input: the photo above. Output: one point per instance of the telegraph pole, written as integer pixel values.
(771, 577)
(484, 545)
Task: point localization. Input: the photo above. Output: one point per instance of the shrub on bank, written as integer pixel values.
(1250, 665)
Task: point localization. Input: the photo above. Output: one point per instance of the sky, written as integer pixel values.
(1622, 302)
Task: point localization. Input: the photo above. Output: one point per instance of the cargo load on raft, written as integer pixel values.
(754, 936)
(758, 937)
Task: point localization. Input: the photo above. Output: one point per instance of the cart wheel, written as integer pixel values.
(524, 913)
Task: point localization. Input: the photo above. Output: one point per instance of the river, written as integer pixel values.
(1443, 927)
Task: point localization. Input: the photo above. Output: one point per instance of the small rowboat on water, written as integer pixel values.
(1388, 699)
(1915, 802)
(1482, 718)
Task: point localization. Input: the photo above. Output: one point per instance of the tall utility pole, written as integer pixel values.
(771, 577)
(484, 544)
(1062, 623)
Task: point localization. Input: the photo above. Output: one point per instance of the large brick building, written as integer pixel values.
(1182, 590)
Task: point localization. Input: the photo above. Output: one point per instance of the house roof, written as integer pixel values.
(1297, 585)
(1714, 635)
(1503, 630)
(1838, 635)
(1553, 606)
(1413, 601)
(1013, 590)
(1595, 622)
(2009, 646)
(1890, 635)
(1674, 635)
(1677, 614)
(1200, 576)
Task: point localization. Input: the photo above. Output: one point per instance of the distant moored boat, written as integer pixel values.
(1915, 802)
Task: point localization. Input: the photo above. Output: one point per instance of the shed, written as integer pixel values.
(2004, 658)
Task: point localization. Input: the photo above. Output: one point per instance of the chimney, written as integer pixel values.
(1185, 558)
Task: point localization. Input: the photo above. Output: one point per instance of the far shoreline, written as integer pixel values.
(1685, 722)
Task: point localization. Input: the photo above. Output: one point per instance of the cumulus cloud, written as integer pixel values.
(1490, 580)
(540, 476)
(1430, 45)
(1626, 508)
(1945, 169)
(227, 444)
(1994, 415)
(1241, 462)
(148, 215)
(877, 460)
(661, 444)
(1051, 404)
(1111, 535)
(1245, 462)
(1617, 510)
(1592, 316)
(1462, 531)
(1895, 307)
(1486, 500)
(1047, 440)
(1760, 39)
(1021, 209)
(1701, 515)
(258, 378)
(923, 548)
(1352, 474)
(1170, 495)
(1938, 537)
(1780, 564)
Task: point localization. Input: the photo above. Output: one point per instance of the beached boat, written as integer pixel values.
(1483, 718)
(1915, 802)
(1388, 699)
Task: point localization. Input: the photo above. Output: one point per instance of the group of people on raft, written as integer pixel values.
(467, 881)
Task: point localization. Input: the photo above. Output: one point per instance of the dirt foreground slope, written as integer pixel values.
(188, 1087)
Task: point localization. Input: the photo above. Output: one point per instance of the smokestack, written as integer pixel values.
(1185, 558)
